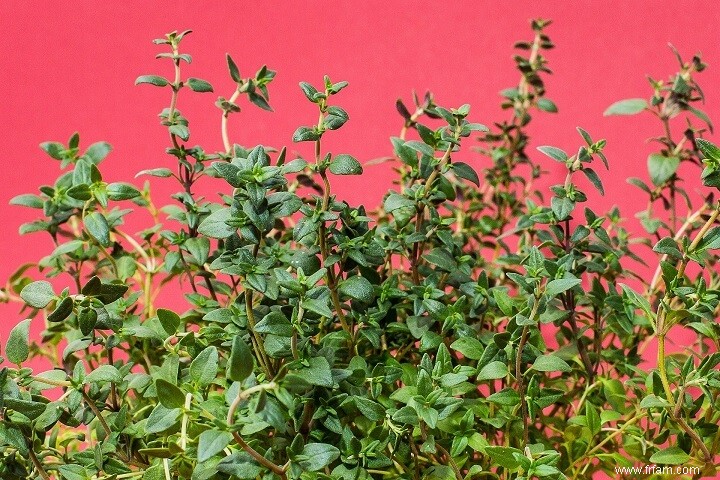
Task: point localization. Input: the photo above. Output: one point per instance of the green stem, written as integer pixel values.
(38, 466)
(243, 395)
(417, 251)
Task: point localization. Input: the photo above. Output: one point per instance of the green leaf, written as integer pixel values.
(463, 170)
(421, 147)
(662, 168)
(652, 401)
(560, 285)
(161, 418)
(181, 131)
(122, 191)
(27, 200)
(507, 397)
(504, 456)
(275, 323)
(594, 179)
(395, 201)
(670, 456)
(316, 456)
(336, 118)
(204, 368)
(234, 70)
(104, 374)
(306, 134)
(240, 465)
(215, 225)
(504, 302)
(469, 347)
(259, 101)
(109, 292)
(592, 418)
(55, 149)
(547, 105)
(551, 363)
(169, 320)
(97, 226)
(38, 294)
(358, 288)
(554, 153)
(98, 151)
(562, 207)
(53, 376)
(442, 259)
(240, 364)
(73, 472)
(631, 106)
(198, 85)
(62, 311)
(156, 80)
(345, 165)
(211, 443)
(372, 410)
(493, 371)
(169, 395)
(199, 247)
(309, 91)
(156, 172)
(708, 149)
(668, 246)
(637, 300)
(17, 349)
(316, 373)
(710, 241)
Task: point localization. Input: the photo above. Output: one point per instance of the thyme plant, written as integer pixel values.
(471, 326)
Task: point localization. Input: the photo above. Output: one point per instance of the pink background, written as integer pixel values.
(67, 68)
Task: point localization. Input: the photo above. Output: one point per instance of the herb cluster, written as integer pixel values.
(469, 327)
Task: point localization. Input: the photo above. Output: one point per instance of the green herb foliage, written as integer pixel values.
(471, 326)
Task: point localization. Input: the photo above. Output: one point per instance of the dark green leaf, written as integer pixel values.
(63, 309)
(594, 179)
(306, 134)
(240, 363)
(463, 170)
(358, 288)
(345, 165)
(97, 226)
(198, 85)
(169, 395)
(234, 70)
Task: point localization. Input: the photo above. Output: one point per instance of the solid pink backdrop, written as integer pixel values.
(71, 66)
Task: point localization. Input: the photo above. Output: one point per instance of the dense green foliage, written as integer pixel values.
(469, 327)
